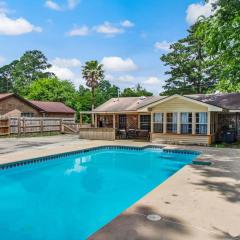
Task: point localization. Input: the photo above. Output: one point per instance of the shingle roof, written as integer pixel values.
(53, 107)
(126, 104)
(230, 101)
(5, 95)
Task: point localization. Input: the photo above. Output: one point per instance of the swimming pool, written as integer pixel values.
(76, 194)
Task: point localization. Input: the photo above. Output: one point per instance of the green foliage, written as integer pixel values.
(93, 73)
(189, 66)
(31, 66)
(221, 34)
(18, 75)
(208, 59)
(135, 92)
(53, 89)
(6, 79)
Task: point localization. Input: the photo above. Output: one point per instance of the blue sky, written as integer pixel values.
(127, 36)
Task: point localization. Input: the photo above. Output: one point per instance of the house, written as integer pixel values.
(189, 119)
(16, 106)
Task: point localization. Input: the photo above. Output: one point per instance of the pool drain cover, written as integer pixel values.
(153, 217)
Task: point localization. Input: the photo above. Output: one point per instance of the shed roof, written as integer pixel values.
(5, 95)
(52, 107)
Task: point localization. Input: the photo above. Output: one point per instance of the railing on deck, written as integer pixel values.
(97, 133)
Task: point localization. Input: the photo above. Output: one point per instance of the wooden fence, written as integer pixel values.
(19, 126)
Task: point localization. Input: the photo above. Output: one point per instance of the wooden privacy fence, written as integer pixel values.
(19, 126)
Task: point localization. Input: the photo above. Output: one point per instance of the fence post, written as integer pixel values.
(19, 126)
(24, 127)
(41, 125)
(9, 126)
(61, 126)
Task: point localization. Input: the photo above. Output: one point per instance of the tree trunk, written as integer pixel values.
(93, 98)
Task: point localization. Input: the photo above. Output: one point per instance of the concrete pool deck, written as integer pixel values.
(198, 202)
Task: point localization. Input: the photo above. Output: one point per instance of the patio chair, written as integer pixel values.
(122, 133)
(131, 134)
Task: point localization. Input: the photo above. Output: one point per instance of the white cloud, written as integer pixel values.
(62, 72)
(9, 26)
(120, 79)
(53, 5)
(126, 79)
(127, 24)
(2, 60)
(108, 29)
(117, 64)
(195, 10)
(164, 46)
(152, 81)
(72, 3)
(66, 63)
(79, 31)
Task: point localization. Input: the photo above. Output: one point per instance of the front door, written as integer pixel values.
(122, 121)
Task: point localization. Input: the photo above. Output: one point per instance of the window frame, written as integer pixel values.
(171, 126)
(189, 123)
(158, 126)
(146, 123)
(203, 125)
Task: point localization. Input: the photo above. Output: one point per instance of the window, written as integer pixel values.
(201, 123)
(172, 122)
(26, 114)
(186, 123)
(145, 122)
(158, 122)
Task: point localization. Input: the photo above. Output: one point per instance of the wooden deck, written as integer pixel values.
(97, 133)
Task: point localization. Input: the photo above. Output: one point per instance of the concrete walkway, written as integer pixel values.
(197, 203)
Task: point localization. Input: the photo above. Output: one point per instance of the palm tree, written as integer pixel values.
(93, 73)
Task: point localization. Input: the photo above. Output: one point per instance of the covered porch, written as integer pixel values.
(116, 125)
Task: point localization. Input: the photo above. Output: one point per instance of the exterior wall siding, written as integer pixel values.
(179, 105)
(12, 103)
(181, 139)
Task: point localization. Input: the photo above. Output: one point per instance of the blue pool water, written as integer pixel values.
(74, 196)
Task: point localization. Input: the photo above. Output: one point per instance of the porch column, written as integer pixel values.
(138, 121)
(193, 123)
(80, 120)
(114, 121)
(209, 124)
(95, 118)
(178, 123)
(151, 122)
(164, 122)
(92, 119)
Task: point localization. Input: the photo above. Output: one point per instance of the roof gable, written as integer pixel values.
(165, 99)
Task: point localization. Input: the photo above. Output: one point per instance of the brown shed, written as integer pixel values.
(10, 102)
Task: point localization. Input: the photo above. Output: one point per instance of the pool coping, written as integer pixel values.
(23, 162)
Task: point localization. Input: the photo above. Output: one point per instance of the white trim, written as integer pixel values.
(234, 111)
(210, 107)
